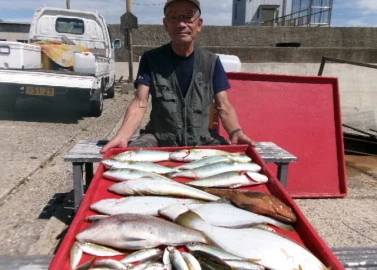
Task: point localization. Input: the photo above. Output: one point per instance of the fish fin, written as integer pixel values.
(136, 243)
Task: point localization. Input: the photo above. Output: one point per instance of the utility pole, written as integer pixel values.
(130, 42)
(68, 3)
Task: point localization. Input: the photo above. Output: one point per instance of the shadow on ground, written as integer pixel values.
(42, 110)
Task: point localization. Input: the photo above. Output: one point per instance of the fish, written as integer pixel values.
(188, 155)
(135, 231)
(211, 160)
(191, 262)
(142, 255)
(216, 168)
(137, 165)
(176, 259)
(209, 261)
(257, 202)
(166, 259)
(222, 215)
(143, 155)
(129, 174)
(268, 249)
(112, 264)
(98, 250)
(87, 265)
(147, 205)
(216, 251)
(232, 179)
(75, 255)
(145, 186)
(155, 266)
(95, 217)
(145, 265)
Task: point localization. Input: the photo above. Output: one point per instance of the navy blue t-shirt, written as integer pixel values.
(183, 67)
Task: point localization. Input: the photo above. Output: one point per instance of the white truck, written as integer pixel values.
(52, 67)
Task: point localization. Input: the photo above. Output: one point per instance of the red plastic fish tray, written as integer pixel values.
(303, 233)
(302, 115)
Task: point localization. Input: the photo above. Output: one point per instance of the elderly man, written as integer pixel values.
(183, 81)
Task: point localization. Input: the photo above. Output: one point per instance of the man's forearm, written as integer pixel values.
(228, 117)
(132, 119)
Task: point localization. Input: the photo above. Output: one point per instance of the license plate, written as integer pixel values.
(40, 91)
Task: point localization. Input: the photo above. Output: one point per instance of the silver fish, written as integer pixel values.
(75, 255)
(110, 263)
(166, 259)
(270, 250)
(188, 155)
(142, 166)
(155, 266)
(145, 205)
(98, 250)
(141, 255)
(214, 159)
(143, 155)
(217, 168)
(191, 262)
(145, 186)
(133, 232)
(232, 179)
(141, 266)
(176, 259)
(129, 174)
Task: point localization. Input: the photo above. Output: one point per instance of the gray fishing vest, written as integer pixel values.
(175, 120)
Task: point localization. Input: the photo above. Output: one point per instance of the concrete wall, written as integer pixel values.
(258, 44)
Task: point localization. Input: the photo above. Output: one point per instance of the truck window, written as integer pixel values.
(70, 26)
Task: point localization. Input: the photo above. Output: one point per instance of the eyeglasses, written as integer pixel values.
(181, 18)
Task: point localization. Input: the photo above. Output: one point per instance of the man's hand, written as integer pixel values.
(116, 142)
(242, 138)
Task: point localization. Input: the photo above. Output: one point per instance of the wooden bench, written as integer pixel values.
(86, 152)
(353, 258)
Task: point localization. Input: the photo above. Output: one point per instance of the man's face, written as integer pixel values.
(182, 22)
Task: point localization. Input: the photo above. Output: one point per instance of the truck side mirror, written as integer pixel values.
(117, 44)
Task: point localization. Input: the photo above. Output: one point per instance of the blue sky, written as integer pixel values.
(346, 13)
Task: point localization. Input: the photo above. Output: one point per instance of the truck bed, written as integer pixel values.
(51, 78)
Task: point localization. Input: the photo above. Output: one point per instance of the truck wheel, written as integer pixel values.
(96, 103)
(110, 92)
(8, 98)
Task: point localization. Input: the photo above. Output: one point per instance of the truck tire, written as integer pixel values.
(96, 103)
(8, 98)
(111, 91)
